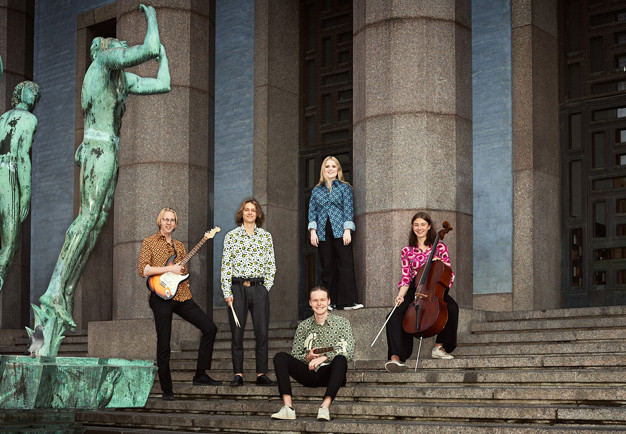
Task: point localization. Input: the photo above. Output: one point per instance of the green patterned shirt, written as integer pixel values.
(334, 330)
(247, 257)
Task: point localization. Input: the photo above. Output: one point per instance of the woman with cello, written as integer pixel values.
(400, 343)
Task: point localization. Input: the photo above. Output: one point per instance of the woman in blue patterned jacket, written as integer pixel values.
(331, 212)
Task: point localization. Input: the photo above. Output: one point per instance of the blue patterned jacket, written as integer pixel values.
(335, 204)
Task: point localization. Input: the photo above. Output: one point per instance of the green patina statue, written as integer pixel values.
(17, 127)
(105, 88)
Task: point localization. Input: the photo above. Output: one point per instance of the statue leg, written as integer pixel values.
(9, 221)
(91, 243)
(97, 175)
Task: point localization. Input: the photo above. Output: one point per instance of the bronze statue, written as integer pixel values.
(105, 88)
(17, 127)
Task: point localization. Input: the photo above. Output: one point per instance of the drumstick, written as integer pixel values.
(381, 329)
(235, 315)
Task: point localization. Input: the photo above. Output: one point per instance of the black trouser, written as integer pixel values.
(338, 269)
(400, 343)
(333, 376)
(256, 299)
(191, 312)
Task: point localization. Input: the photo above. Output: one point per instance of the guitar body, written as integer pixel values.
(166, 285)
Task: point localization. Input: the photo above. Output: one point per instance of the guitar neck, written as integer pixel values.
(323, 350)
(192, 252)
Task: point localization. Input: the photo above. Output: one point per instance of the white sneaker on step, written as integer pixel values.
(323, 413)
(285, 413)
(440, 353)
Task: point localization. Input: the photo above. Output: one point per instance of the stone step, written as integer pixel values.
(496, 350)
(584, 312)
(249, 334)
(543, 324)
(545, 336)
(474, 393)
(501, 376)
(232, 423)
(403, 411)
(247, 344)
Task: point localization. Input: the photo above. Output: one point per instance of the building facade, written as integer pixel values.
(456, 108)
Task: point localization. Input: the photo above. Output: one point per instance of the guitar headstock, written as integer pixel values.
(341, 347)
(210, 234)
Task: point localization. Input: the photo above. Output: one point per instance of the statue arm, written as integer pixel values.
(24, 167)
(120, 58)
(148, 86)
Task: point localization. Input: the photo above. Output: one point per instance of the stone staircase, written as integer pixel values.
(74, 344)
(556, 371)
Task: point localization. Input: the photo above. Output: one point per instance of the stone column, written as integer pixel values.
(276, 114)
(412, 136)
(536, 156)
(166, 150)
(16, 50)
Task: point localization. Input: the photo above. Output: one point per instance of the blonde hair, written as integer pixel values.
(162, 212)
(326, 181)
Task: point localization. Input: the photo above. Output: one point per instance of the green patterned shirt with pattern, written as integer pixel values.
(335, 332)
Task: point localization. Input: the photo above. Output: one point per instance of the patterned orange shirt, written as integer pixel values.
(155, 251)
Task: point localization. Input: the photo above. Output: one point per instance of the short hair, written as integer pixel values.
(319, 288)
(100, 43)
(162, 212)
(260, 217)
(16, 98)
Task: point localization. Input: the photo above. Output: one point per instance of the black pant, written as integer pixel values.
(338, 269)
(256, 299)
(400, 343)
(333, 376)
(191, 312)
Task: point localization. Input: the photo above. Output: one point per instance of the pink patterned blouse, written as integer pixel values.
(413, 258)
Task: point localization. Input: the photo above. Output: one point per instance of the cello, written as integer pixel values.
(428, 314)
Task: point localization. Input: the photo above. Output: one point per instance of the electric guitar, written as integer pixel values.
(165, 285)
(339, 347)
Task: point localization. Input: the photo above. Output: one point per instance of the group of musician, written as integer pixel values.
(247, 275)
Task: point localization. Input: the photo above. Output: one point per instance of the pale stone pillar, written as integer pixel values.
(16, 50)
(276, 94)
(166, 150)
(536, 156)
(412, 136)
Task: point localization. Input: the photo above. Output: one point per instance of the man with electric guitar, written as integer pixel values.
(322, 347)
(163, 261)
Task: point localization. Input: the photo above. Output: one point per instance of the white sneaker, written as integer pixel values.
(393, 366)
(285, 413)
(354, 306)
(323, 413)
(440, 353)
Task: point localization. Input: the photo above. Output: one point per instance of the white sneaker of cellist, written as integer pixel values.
(440, 353)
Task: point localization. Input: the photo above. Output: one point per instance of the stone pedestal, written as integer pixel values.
(412, 136)
(74, 382)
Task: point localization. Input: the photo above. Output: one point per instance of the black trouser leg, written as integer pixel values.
(240, 305)
(447, 337)
(399, 342)
(258, 300)
(338, 269)
(162, 310)
(191, 312)
(326, 250)
(332, 376)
